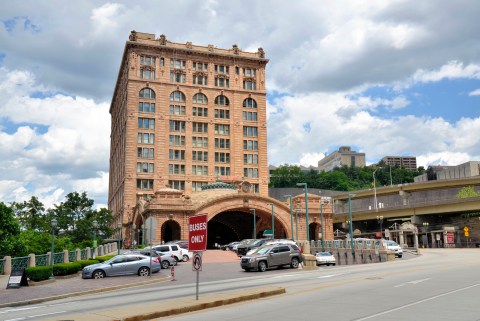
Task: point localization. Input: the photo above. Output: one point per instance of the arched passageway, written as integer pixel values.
(315, 231)
(170, 231)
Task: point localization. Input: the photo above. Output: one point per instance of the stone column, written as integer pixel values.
(7, 265)
(32, 262)
(78, 254)
(89, 253)
(66, 258)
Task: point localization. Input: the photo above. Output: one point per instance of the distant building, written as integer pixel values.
(407, 162)
(464, 170)
(344, 156)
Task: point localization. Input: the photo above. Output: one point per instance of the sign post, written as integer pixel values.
(197, 242)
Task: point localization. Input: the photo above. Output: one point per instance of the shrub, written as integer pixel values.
(104, 258)
(84, 263)
(38, 273)
(66, 268)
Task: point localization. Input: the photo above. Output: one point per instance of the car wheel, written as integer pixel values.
(165, 264)
(262, 266)
(98, 274)
(247, 269)
(399, 256)
(185, 258)
(294, 263)
(333, 264)
(143, 271)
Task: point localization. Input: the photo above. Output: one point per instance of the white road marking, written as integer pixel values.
(412, 282)
(282, 276)
(330, 275)
(418, 302)
(22, 309)
(35, 316)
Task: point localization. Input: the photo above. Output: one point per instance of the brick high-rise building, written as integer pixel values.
(183, 116)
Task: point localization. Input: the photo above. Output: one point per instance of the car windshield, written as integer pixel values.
(324, 254)
(263, 250)
(392, 243)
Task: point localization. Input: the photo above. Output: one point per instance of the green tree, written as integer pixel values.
(286, 176)
(31, 214)
(467, 192)
(9, 231)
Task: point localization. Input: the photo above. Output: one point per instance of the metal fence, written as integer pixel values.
(72, 256)
(83, 254)
(42, 260)
(2, 266)
(20, 262)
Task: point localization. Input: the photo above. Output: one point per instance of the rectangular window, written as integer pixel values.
(177, 64)
(222, 82)
(146, 123)
(221, 69)
(180, 185)
(250, 131)
(199, 170)
(199, 156)
(146, 184)
(177, 140)
(249, 72)
(222, 113)
(222, 129)
(177, 110)
(178, 169)
(200, 111)
(147, 74)
(177, 77)
(177, 126)
(222, 171)
(144, 107)
(222, 157)
(255, 188)
(250, 145)
(200, 79)
(250, 85)
(250, 172)
(145, 152)
(200, 66)
(146, 138)
(147, 60)
(250, 158)
(199, 142)
(144, 167)
(222, 143)
(176, 154)
(250, 116)
(197, 186)
(199, 127)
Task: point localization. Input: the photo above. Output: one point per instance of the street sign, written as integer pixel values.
(465, 229)
(197, 261)
(197, 232)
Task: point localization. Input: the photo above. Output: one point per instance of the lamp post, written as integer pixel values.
(350, 222)
(134, 240)
(273, 221)
(119, 232)
(296, 223)
(53, 224)
(143, 234)
(380, 221)
(391, 181)
(254, 222)
(291, 214)
(306, 207)
(95, 225)
(321, 222)
(375, 190)
(425, 226)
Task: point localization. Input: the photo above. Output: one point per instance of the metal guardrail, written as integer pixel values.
(42, 260)
(72, 256)
(2, 266)
(20, 262)
(83, 254)
(57, 258)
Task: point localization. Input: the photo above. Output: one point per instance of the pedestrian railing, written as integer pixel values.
(2, 265)
(58, 258)
(42, 260)
(20, 262)
(72, 256)
(83, 254)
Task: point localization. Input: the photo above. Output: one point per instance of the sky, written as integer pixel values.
(388, 78)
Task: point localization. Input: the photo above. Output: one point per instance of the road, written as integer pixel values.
(439, 285)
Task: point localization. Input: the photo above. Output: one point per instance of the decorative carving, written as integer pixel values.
(189, 45)
(133, 36)
(261, 53)
(236, 50)
(162, 40)
(210, 48)
(147, 84)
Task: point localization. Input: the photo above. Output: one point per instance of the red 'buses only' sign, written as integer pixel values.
(197, 233)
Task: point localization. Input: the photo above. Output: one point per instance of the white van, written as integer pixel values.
(174, 249)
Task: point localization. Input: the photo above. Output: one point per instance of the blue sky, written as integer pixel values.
(386, 78)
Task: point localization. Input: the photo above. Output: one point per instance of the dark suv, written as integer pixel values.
(242, 249)
(272, 256)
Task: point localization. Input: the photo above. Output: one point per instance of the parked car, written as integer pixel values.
(270, 256)
(393, 246)
(124, 264)
(181, 255)
(245, 241)
(242, 249)
(182, 243)
(166, 260)
(325, 258)
(228, 247)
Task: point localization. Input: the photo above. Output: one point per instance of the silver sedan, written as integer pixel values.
(122, 265)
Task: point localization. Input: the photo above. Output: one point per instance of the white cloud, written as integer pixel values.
(475, 92)
(451, 70)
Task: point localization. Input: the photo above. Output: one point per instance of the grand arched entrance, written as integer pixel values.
(170, 231)
(315, 231)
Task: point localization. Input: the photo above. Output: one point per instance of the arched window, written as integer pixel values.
(177, 96)
(147, 93)
(249, 103)
(221, 101)
(200, 99)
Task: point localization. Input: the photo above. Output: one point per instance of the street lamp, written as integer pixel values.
(53, 224)
(380, 221)
(350, 222)
(143, 234)
(296, 223)
(291, 214)
(254, 222)
(119, 232)
(321, 222)
(375, 190)
(95, 225)
(134, 240)
(306, 207)
(425, 226)
(273, 221)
